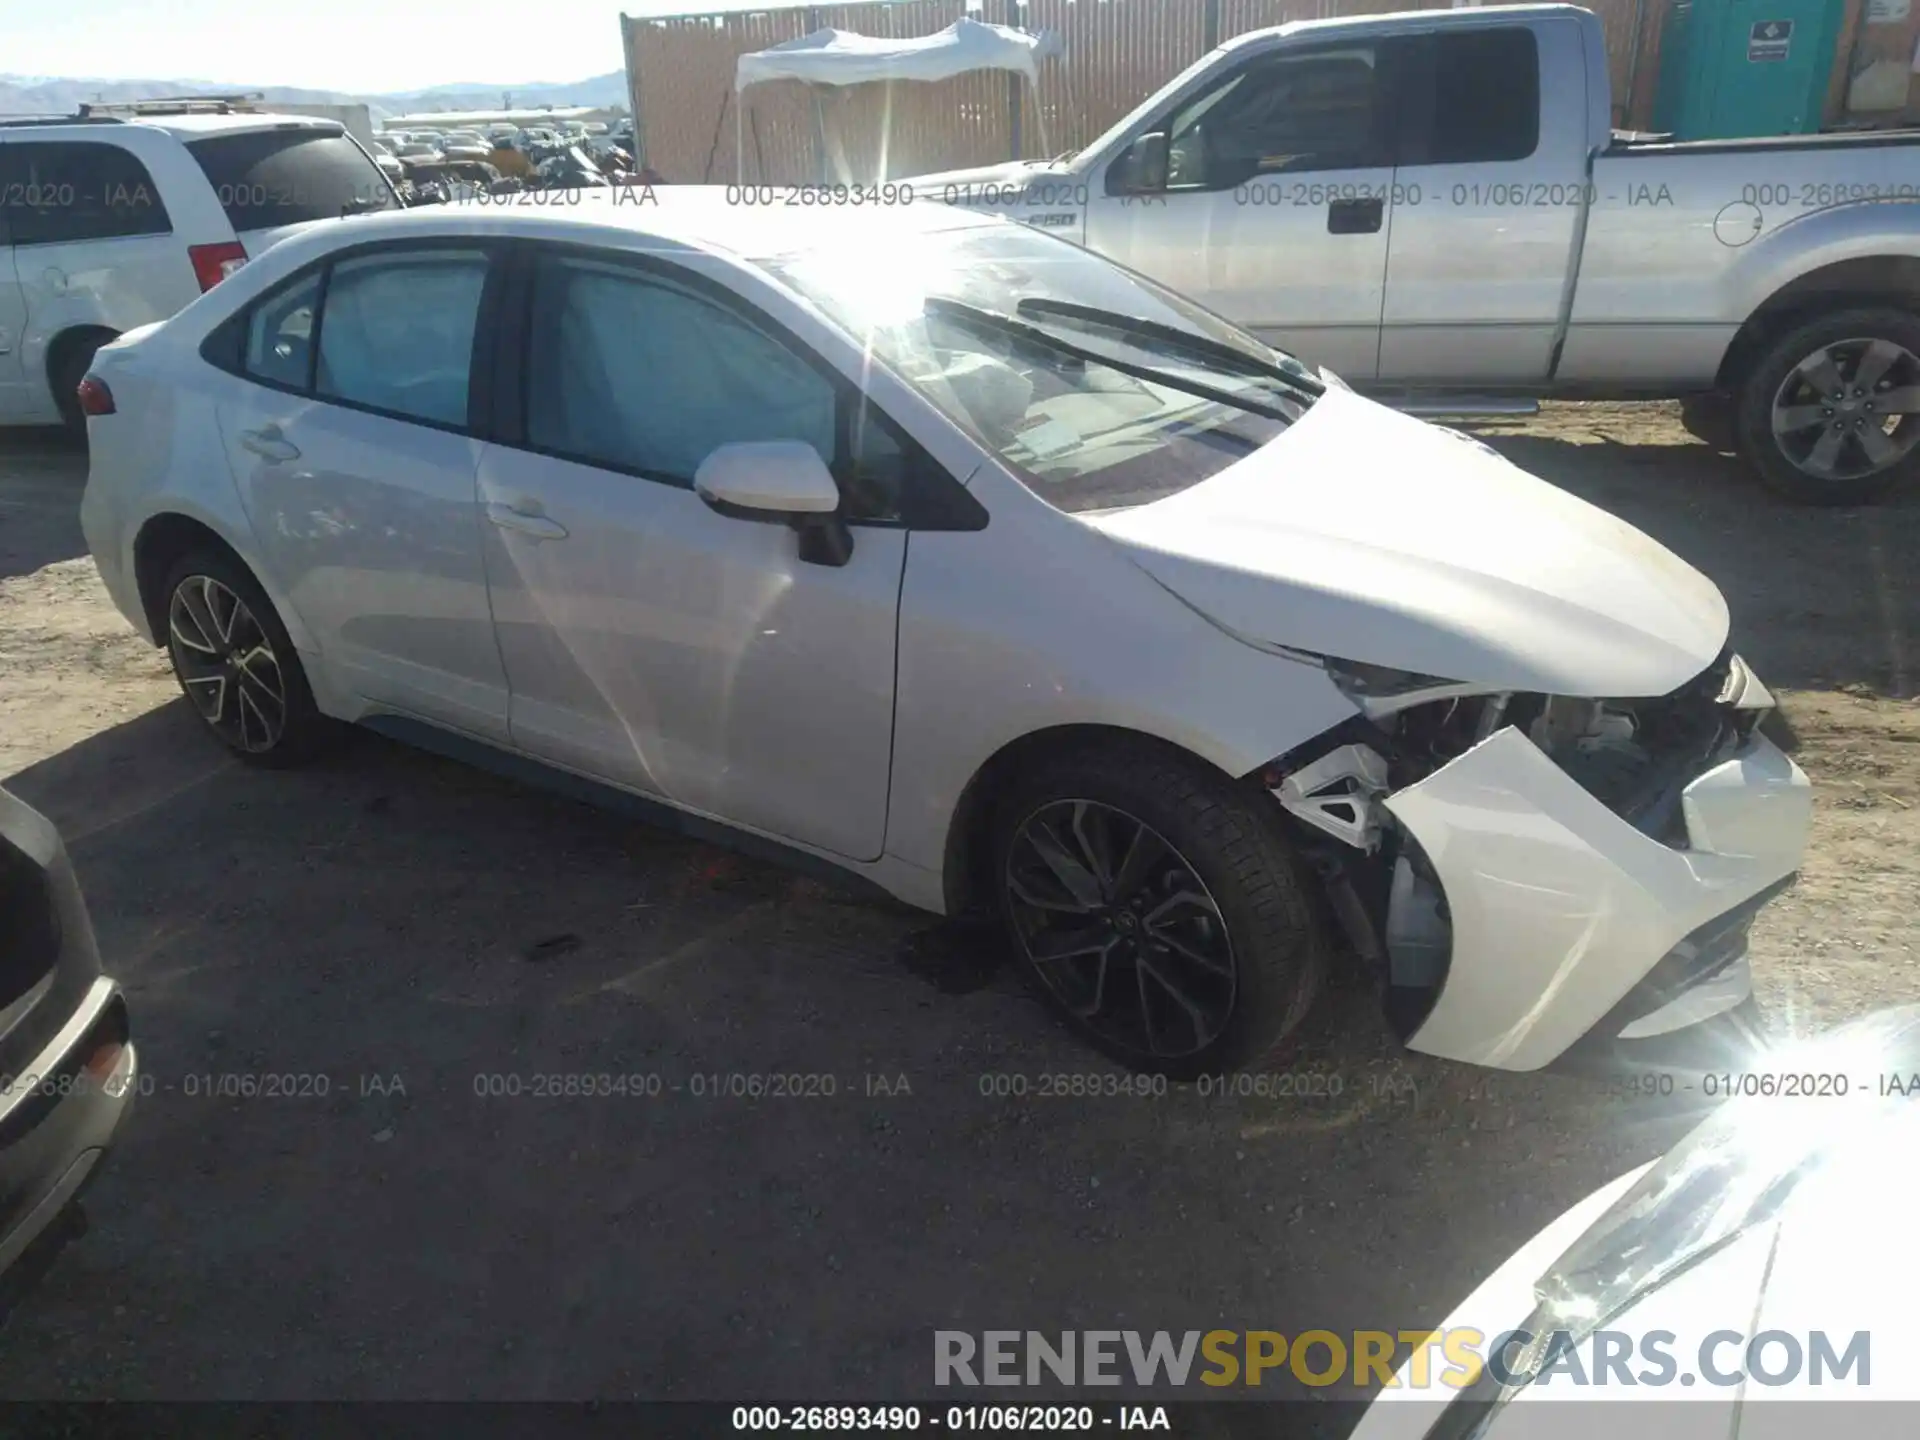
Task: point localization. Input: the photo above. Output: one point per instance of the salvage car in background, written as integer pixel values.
(1434, 205)
(117, 221)
(958, 558)
(68, 1070)
(1785, 1215)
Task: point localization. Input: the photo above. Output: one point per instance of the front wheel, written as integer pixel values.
(236, 664)
(1830, 413)
(1155, 906)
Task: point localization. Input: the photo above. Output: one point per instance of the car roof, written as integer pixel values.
(181, 127)
(701, 217)
(197, 127)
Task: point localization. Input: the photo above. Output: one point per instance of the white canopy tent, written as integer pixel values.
(840, 57)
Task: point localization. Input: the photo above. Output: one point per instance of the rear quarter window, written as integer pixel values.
(266, 178)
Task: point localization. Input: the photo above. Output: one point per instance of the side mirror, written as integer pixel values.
(1141, 168)
(779, 482)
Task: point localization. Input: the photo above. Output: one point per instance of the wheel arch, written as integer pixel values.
(61, 349)
(1891, 280)
(969, 842)
(158, 544)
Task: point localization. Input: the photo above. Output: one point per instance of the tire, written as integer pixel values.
(1252, 909)
(68, 371)
(1780, 387)
(1709, 418)
(208, 639)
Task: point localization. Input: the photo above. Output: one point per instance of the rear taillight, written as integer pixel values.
(95, 397)
(214, 263)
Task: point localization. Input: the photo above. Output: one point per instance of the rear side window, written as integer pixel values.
(1486, 98)
(266, 178)
(280, 336)
(396, 333)
(60, 191)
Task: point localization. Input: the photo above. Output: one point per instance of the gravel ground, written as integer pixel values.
(400, 926)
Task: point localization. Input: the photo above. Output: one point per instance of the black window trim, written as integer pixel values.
(931, 497)
(16, 148)
(225, 345)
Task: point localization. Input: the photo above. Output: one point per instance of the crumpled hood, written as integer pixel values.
(1369, 535)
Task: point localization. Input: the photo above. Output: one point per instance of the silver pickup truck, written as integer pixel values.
(1434, 206)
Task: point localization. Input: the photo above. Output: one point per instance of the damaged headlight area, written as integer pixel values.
(1635, 756)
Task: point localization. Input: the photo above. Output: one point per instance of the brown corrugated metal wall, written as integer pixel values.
(1118, 52)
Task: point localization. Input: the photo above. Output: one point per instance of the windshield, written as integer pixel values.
(1084, 435)
(1738, 1169)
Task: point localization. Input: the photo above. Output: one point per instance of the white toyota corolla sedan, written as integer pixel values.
(937, 549)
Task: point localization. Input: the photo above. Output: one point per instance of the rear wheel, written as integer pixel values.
(1830, 413)
(1155, 906)
(236, 664)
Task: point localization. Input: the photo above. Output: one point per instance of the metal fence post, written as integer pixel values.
(1013, 88)
(630, 52)
(1210, 31)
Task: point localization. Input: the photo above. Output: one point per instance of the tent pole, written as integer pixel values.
(819, 137)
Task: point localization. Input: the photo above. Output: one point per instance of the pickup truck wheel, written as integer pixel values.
(1156, 908)
(1830, 414)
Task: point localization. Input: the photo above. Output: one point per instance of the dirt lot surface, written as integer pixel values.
(396, 923)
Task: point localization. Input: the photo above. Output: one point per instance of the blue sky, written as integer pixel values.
(356, 45)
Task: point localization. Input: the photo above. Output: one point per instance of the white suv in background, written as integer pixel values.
(110, 223)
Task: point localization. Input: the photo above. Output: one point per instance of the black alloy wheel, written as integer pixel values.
(1121, 929)
(227, 664)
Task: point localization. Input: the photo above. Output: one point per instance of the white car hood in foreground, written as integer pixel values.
(1369, 535)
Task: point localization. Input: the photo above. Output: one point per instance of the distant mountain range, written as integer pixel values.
(39, 95)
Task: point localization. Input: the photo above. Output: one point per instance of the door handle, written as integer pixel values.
(526, 520)
(1355, 217)
(269, 444)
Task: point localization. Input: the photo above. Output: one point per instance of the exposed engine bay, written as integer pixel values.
(1635, 756)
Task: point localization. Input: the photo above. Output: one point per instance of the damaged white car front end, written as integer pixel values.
(1553, 816)
(1566, 870)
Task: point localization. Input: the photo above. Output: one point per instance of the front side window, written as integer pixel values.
(1285, 115)
(77, 190)
(641, 373)
(1082, 435)
(396, 332)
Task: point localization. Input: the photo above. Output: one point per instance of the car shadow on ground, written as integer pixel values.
(40, 510)
(360, 990)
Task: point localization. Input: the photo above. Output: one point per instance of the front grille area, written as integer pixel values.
(1634, 756)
